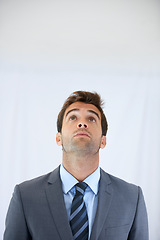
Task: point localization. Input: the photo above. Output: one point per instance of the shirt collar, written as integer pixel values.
(68, 181)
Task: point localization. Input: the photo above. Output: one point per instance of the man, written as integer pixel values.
(78, 200)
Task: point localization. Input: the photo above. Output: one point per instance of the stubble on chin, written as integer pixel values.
(84, 148)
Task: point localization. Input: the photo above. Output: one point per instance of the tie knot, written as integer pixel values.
(80, 188)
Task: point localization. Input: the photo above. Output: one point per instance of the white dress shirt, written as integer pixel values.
(90, 195)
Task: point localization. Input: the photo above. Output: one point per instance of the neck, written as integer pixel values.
(80, 167)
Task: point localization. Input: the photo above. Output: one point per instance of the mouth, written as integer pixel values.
(82, 134)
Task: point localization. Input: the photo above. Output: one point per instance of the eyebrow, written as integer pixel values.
(76, 109)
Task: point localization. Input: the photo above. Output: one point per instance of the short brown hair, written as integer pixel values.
(86, 97)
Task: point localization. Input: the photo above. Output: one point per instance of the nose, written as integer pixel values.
(82, 125)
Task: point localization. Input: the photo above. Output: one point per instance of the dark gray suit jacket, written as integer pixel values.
(37, 211)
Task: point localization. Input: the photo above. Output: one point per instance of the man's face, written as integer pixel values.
(81, 129)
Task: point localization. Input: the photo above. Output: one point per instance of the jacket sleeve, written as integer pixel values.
(139, 230)
(16, 226)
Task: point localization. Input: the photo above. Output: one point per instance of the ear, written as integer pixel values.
(103, 142)
(58, 139)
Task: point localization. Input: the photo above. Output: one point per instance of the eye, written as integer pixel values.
(92, 119)
(72, 118)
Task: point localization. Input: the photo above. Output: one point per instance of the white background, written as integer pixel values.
(48, 49)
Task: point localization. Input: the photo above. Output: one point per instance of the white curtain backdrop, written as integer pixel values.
(48, 49)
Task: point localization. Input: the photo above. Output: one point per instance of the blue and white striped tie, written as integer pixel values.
(78, 216)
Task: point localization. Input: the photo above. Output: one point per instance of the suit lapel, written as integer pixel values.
(104, 201)
(57, 206)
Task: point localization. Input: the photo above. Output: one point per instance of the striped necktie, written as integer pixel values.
(78, 216)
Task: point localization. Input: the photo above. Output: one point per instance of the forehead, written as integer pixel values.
(82, 107)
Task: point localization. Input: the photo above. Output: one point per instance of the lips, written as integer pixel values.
(81, 134)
